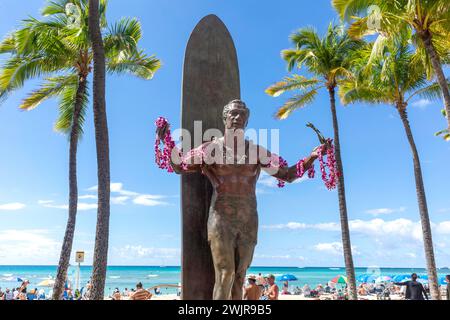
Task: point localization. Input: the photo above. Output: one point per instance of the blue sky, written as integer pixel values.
(299, 225)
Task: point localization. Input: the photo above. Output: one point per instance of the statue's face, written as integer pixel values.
(237, 118)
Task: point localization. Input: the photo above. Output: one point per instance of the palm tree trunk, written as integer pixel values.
(437, 66)
(102, 144)
(66, 249)
(423, 208)
(346, 244)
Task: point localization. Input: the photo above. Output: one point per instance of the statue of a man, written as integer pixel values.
(233, 218)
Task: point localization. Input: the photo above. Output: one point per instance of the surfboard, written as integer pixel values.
(210, 81)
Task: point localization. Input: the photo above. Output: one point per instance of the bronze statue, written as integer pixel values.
(233, 218)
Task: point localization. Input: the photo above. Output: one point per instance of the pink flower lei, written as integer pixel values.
(162, 157)
(330, 180)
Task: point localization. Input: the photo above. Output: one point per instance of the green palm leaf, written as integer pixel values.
(290, 83)
(66, 109)
(51, 88)
(296, 102)
(137, 64)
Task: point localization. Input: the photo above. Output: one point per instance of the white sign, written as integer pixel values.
(79, 256)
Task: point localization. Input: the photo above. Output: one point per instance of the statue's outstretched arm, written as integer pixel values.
(277, 170)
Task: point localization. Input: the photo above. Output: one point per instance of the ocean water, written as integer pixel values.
(127, 276)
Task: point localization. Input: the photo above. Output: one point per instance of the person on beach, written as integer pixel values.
(9, 294)
(273, 290)
(140, 293)
(16, 294)
(414, 289)
(23, 287)
(285, 289)
(116, 294)
(447, 278)
(252, 291)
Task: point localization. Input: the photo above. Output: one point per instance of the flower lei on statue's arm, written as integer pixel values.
(162, 157)
(329, 179)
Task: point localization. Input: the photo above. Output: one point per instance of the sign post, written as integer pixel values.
(79, 258)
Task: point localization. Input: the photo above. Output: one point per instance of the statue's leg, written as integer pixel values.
(244, 256)
(222, 250)
(245, 243)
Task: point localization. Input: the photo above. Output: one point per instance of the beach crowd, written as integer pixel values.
(257, 287)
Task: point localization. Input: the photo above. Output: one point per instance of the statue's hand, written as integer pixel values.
(161, 132)
(315, 152)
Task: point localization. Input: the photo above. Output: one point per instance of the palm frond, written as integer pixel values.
(349, 8)
(294, 82)
(431, 92)
(138, 64)
(124, 35)
(296, 102)
(66, 108)
(50, 88)
(8, 45)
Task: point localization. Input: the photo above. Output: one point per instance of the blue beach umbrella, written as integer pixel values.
(362, 278)
(442, 280)
(383, 279)
(401, 277)
(287, 277)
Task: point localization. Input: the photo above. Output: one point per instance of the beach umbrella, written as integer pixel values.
(442, 280)
(424, 281)
(362, 278)
(46, 283)
(401, 277)
(339, 279)
(381, 279)
(287, 277)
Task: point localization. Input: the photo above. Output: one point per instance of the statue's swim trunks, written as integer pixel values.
(233, 219)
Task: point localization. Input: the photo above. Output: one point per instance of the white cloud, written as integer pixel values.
(125, 195)
(119, 200)
(45, 201)
(149, 200)
(381, 211)
(82, 206)
(88, 196)
(139, 251)
(12, 206)
(334, 248)
(443, 227)
(330, 226)
(271, 182)
(422, 103)
(116, 187)
(26, 246)
(86, 206)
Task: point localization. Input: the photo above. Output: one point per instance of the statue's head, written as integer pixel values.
(235, 115)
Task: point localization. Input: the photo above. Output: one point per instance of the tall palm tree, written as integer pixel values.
(429, 19)
(329, 59)
(395, 78)
(102, 143)
(58, 49)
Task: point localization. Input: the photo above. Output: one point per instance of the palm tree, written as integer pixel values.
(429, 19)
(329, 58)
(59, 50)
(395, 78)
(102, 143)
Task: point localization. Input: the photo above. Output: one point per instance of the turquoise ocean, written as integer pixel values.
(127, 276)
